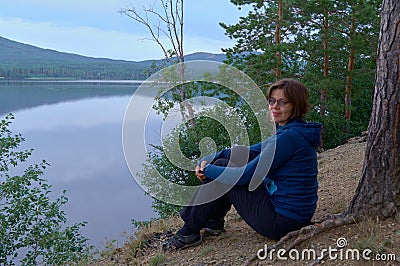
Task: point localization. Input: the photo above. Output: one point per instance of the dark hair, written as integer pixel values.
(296, 92)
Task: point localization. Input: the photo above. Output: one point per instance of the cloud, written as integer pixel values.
(96, 42)
(70, 6)
(98, 30)
(204, 44)
(82, 40)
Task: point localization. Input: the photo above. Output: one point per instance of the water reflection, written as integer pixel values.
(81, 140)
(17, 95)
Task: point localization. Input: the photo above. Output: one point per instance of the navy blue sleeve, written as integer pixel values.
(232, 175)
(285, 146)
(275, 151)
(243, 175)
(210, 158)
(256, 147)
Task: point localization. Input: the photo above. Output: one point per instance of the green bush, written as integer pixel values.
(224, 133)
(32, 227)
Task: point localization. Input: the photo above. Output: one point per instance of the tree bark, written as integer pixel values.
(324, 90)
(350, 70)
(278, 71)
(378, 193)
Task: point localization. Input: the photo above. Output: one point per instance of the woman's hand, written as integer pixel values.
(199, 171)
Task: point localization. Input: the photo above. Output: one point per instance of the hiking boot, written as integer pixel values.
(213, 227)
(179, 241)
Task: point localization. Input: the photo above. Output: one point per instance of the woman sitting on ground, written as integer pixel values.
(286, 199)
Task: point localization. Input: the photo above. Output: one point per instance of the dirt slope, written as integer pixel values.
(339, 172)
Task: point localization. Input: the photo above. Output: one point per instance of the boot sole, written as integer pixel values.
(193, 244)
(211, 232)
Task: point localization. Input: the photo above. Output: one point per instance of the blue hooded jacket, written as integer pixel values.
(291, 179)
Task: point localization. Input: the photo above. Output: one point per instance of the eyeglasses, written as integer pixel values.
(281, 102)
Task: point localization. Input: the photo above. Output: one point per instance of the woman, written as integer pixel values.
(286, 199)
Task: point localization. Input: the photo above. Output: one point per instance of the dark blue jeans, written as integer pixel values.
(255, 208)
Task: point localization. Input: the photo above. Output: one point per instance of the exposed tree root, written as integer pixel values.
(295, 238)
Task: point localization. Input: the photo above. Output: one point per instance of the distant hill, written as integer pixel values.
(21, 61)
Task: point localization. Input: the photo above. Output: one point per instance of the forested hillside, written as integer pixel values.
(19, 61)
(329, 45)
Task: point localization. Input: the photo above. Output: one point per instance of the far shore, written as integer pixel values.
(70, 80)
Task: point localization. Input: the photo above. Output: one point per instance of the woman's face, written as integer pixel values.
(281, 109)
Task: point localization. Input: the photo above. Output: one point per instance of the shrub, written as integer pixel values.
(32, 227)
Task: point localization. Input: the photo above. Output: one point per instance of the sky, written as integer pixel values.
(95, 28)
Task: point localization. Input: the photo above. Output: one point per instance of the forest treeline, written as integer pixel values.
(23, 61)
(329, 45)
(82, 71)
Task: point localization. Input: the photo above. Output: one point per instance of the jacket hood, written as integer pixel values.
(311, 131)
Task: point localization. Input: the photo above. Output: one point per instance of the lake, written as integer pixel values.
(76, 126)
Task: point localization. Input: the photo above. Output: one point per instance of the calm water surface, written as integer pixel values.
(77, 128)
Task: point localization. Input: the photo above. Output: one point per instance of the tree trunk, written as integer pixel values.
(349, 85)
(378, 193)
(278, 71)
(350, 70)
(178, 21)
(324, 90)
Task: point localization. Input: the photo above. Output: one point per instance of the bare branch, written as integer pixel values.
(180, 18)
(171, 25)
(157, 15)
(175, 30)
(132, 13)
